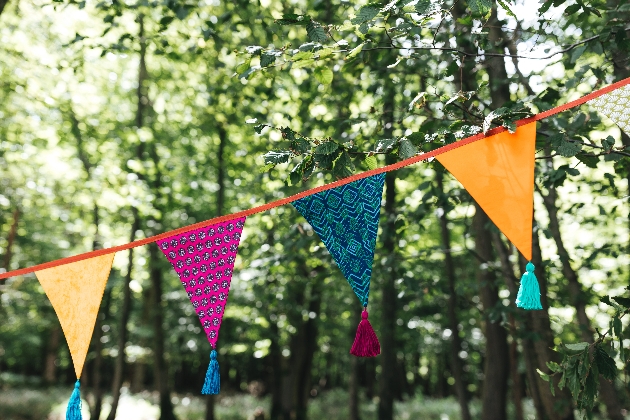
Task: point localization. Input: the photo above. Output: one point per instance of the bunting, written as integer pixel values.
(497, 170)
(346, 220)
(204, 261)
(616, 106)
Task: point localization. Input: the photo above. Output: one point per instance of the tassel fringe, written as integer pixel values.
(212, 385)
(528, 296)
(73, 412)
(366, 342)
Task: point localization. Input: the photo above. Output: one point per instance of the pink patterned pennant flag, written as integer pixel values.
(204, 261)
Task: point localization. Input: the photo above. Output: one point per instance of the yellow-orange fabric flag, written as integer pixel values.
(498, 172)
(75, 291)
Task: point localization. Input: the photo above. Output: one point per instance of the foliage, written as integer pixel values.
(248, 102)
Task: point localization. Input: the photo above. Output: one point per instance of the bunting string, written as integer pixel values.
(315, 190)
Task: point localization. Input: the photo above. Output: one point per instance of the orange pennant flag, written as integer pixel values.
(498, 172)
(75, 291)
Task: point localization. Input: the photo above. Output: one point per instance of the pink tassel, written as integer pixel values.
(366, 342)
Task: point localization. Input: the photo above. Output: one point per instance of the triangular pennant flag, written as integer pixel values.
(75, 291)
(346, 220)
(616, 106)
(498, 172)
(204, 261)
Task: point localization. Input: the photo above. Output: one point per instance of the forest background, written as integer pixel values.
(121, 120)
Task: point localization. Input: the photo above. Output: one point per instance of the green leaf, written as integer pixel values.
(259, 128)
(605, 364)
(543, 375)
(303, 63)
(316, 32)
(326, 148)
(293, 19)
(608, 143)
(324, 75)
(546, 5)
(276, 157)
(575, 348)
(371, 162)
(423, 6)
(166, 20)
(300, 146)
(266, 168)
(406, 149)
(343, 166)
(287, 133)
(324, 53)
(325, 161)
(241, 68)
(385, 145)
(267, 59)
(623, 301)
(355, 51)
(301, 171)
(507, 9)
(366, 13)
(303, 55)
(617, 326)
(569, 149)
(590, 161)
(480, 7)
(577, 53)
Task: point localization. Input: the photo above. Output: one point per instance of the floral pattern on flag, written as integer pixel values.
(616, 106)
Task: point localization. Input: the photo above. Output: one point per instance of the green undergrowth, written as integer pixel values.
(19, 403)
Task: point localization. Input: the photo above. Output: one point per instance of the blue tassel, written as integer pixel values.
(528, 296)
(212, 385)
(73, 412)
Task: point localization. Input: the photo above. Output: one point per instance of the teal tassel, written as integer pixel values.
(528, 296)
(73, 412)
(212, 385)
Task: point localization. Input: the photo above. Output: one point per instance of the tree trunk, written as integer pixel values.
(275, 382)
(119, 365)
(11, 239)
(50, 368)
(456, 342)
(496, 366)
(608, 393)
(510, 279)
(353, 380)
(210, 399)
(97, 390)
(559, 406)
(310, 345)
(140, 365)
(160, 368)
(353, 389)
(296, 384)
(387, 381)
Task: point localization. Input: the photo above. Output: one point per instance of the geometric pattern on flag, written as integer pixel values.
(204, 261)
(616, 106)
(346, 220)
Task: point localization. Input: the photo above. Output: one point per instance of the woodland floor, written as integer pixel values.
(36, 404)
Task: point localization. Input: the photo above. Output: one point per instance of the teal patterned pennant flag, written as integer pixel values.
(346, 220)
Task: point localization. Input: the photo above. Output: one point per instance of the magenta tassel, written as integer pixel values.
(366, 342)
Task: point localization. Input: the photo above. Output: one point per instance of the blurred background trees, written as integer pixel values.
(120, 120)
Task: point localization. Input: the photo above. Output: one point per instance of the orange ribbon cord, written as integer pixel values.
(335, 184)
